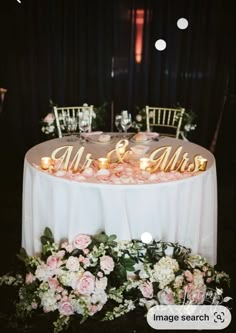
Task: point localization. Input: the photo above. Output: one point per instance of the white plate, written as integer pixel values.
(95, 140)
(140, 142)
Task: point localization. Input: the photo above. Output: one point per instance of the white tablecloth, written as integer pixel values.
(183, 211)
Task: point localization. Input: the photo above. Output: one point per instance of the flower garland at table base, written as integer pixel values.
(104, 278)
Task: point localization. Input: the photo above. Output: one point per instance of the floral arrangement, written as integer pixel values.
(104, 278)
(48, 123)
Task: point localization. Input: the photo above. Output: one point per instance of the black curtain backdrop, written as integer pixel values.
(77, 51)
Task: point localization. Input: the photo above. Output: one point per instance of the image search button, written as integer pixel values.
(181, 317)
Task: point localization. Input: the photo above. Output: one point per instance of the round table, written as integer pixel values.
(183, 211)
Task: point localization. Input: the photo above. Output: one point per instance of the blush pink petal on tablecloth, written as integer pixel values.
(151, 135)
(120, 174)
(91, 134)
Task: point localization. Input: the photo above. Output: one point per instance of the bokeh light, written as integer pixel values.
(146, 237)
(160, 45)
(182, 23)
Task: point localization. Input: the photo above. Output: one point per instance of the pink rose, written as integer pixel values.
(84, 260)
(65, 298)
(53, 282)
(61, 253)
(49, 118)
(34, 305)
(94, 308)
(139, 117)
(72, 264)
(66, 309)
(59, 289)
(53, 262)
(86, 284)
(68, 247)
(188, 275)
(107, 264)
(82, 241)
(146, 289)
(101, 283)
(29, 278)
(197, 295)
(166, 296)
(86, 251)
(100, 274)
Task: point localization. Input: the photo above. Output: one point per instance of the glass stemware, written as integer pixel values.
(84, 124)
(70, 126)
(126, 121)
(118, 123)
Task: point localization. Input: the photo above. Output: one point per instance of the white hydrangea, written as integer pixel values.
(197, 278)
(168, 262)
(48, 300)
(43, 272)
(72, 263)
(78, 307)
(70, 278)
(99, 296)
(178, 281)
(163, 275)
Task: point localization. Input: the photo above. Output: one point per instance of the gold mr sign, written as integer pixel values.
(161, 159)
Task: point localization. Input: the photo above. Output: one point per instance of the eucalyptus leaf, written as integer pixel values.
(112, 243)
(44, 240)
(101, 238)
(112, 238)
(22, 254)
(127, 262)
(120, 272)
(48, 233)
(75, 252)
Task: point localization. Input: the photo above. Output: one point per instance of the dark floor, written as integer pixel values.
(10, 214)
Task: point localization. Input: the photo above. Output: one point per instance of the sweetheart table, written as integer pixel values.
(183, 210)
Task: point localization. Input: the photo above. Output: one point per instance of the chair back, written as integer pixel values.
(167, 120)
(73, 113)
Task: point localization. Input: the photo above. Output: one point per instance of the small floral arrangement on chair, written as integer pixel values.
(188, 121)
(48, 123)
(97, 276)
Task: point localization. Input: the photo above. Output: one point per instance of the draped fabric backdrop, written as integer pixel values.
(77, 51)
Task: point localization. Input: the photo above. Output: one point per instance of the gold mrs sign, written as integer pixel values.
(160, 159)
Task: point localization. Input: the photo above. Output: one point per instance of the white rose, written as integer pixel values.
(73, 264)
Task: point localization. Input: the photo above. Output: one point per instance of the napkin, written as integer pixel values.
(151, 135)
(91, 134)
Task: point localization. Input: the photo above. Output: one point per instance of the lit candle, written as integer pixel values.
(144, 163)
(46, 162)
(202, 164)
(103, 163)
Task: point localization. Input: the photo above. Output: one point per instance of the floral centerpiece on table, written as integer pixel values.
(104, 278)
